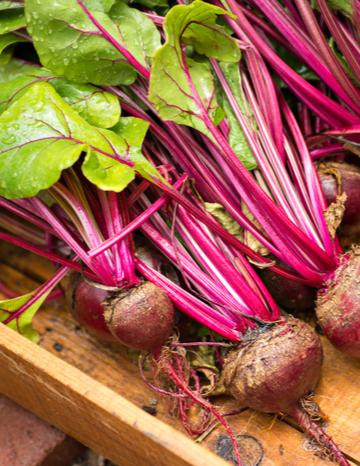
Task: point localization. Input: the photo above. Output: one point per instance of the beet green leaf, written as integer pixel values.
(23, 324)
(41, 135)
(7, 42)
(97, 107)
(182, 88)
(84, 40)
(11, 16)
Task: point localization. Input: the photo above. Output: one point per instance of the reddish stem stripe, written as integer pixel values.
(129, 57)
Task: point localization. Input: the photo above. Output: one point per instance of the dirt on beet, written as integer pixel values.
(141, 318)
(338, 305)
(275, 368)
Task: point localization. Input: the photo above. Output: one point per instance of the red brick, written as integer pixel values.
(26, 440)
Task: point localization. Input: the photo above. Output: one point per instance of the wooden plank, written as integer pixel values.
(89, 411)
(32, 266)
(283, 445)
(280, 443)
(339, 397)
(114, 367)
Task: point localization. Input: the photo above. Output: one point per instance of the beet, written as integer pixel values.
(290, 295)
(338, 305)
(338, 177)
(86, 302)
(142, 317)
(273, 369)
(146, 252)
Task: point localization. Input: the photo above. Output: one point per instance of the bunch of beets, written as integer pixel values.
(192, 172)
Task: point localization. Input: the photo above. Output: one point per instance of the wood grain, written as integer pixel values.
(89, 411)
(281, 444)
(115, 369)
(339, 397)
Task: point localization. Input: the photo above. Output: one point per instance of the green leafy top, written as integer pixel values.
(7, 42)
(23, 323)
(182, 88)
(11, 16)
(195, 24)
(70, 43)
(10, 5)
(153, 4)
(41, 135)
(97, 107)
(14, 69)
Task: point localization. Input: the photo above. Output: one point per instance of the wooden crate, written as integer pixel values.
(96, 395)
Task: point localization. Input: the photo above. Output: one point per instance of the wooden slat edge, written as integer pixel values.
(90, 412)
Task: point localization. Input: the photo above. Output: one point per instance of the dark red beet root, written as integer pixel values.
(338, 305)
(141, 318)
(292, 296)
(338, 177)
(273, 370)
(86, 303)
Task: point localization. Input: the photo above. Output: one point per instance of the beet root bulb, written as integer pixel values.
(294, 297)
(86, 303)
(141, 318)
(338, 177)
(338, 305)
(273, 370)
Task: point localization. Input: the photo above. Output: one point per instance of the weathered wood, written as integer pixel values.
(339, 397)
(114, 367)
(35, 267)
(89, 411)
(280, 443)
(283, 445)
